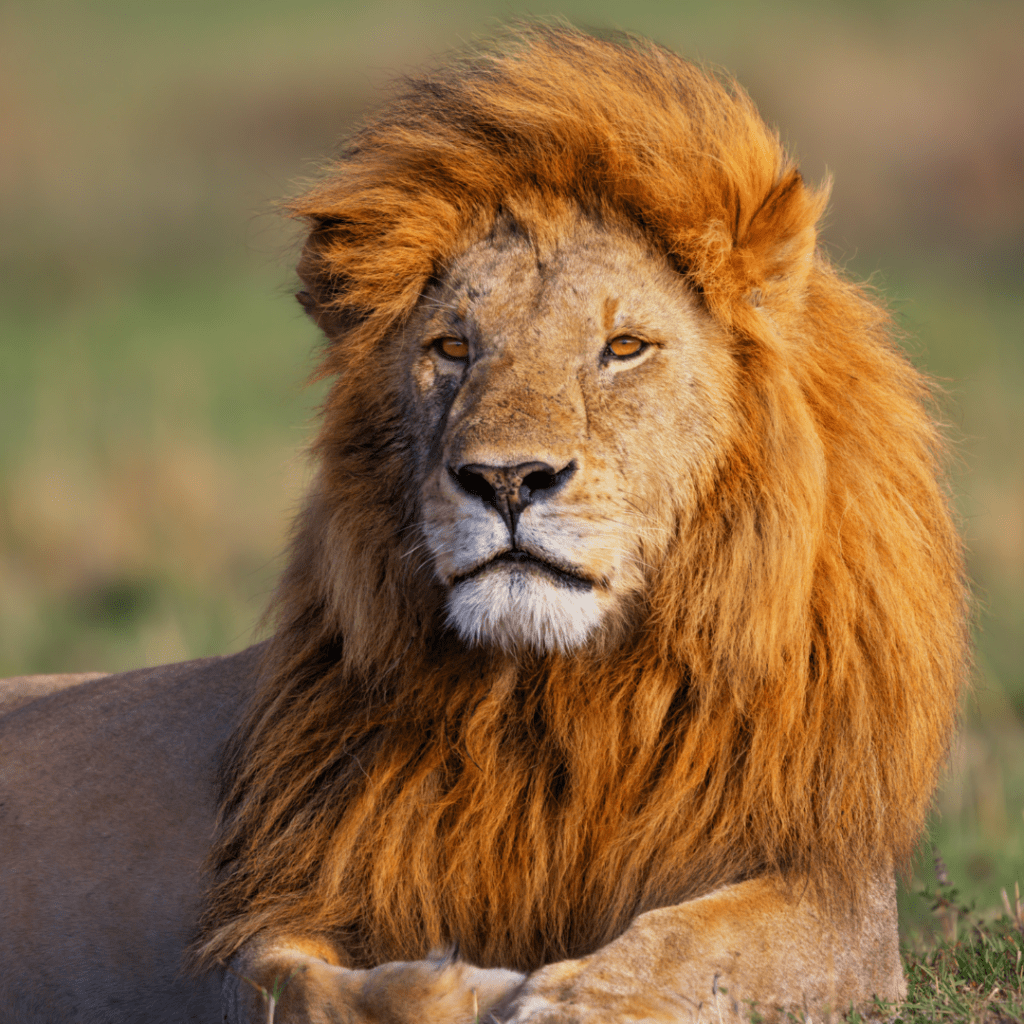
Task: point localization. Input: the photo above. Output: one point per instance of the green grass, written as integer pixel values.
(968, 967)
(151, 465)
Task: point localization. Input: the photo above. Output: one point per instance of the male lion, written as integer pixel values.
(624, 628)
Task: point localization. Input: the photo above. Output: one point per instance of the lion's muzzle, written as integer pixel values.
(510, 581)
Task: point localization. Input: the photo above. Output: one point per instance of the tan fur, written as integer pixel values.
(713, 784)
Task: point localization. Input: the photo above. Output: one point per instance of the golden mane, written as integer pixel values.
(789, 695)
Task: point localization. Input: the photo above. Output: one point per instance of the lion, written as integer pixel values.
(624, 627)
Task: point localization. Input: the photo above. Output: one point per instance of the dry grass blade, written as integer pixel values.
(271, 996)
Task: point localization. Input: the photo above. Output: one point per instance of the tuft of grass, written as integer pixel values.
(970, 968)
(271, 996)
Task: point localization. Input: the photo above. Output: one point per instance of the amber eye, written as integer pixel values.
(626, 348)
(452, 348)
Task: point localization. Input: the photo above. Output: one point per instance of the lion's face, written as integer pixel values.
(566, 397)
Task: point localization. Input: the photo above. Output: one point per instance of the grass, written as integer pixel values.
(970, 970)
(270, 996)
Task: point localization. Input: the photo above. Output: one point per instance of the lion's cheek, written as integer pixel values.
(459, 537)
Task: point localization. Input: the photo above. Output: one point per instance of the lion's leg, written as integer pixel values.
(758, 943)
(308, 988)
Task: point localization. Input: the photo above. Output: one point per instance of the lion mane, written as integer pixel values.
(786, 696)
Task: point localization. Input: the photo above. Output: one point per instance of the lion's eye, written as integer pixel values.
(625, 348)
(453, 348)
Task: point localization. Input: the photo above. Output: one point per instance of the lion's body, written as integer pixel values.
(624, 627)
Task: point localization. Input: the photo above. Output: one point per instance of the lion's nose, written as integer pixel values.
(509, 489)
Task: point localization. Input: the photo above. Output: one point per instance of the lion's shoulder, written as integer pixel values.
(187, 690)
(90, 742)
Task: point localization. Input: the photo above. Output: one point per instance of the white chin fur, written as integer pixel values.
(515, 609)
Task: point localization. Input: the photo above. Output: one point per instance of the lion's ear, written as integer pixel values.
(316, 311)
(332, 321)
(779, 240)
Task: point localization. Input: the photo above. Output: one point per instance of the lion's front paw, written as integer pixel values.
(573, 992)
(288, 989)
(306, 989)
(433, 991)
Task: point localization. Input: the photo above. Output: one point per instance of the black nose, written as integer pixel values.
(509, 489)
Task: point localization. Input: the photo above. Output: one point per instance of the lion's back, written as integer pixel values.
(18, 691)
(107, 805)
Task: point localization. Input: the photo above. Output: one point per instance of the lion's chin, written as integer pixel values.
(520, 609)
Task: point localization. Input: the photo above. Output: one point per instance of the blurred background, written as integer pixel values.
(152, 408)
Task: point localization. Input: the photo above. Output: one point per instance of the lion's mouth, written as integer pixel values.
(524, 560)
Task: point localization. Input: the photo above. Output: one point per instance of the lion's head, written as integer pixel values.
(571, 389)
(628, 570)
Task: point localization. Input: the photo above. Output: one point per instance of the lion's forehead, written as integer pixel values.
(593, 280)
